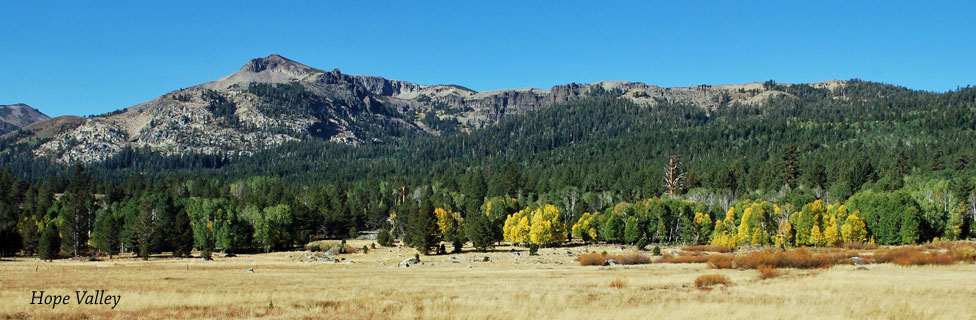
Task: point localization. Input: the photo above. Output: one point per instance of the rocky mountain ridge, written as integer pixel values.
(272, 100)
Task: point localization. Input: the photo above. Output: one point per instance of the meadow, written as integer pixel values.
(509, 285)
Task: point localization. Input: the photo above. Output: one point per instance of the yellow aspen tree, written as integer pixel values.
(516, 228)
(783, 233)
(816, 238)
(854, 229)
(744, 234)
(758, 237)
(445, 220)
(576, 229)
(812, 214)
(831, 234)
(547, 226)
(555, 219)
(539, 232)
(729, 222)
(521, 232)
(703, 223)
(510, 223)
(721, 236)
(838, 210)
(585, 227)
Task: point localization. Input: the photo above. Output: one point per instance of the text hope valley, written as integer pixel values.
(98, 297)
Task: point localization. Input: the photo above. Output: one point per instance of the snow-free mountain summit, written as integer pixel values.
(16, 116)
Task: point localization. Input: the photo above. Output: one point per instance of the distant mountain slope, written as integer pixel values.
(16, 116)
(273, 100)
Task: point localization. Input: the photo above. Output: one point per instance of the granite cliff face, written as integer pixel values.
(16, 116)
(273, 100)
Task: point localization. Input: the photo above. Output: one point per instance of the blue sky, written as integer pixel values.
(89, 57)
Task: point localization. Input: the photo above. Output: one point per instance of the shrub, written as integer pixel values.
(707, 280)
(720, 261)
(384, 238)
(913, 256)
(373, 245)
(889, 255)
(591, 259)
(458, 243)
(642, 244)
(767, 272)
(682, 259)
(797, 258)
(325, 245)
(206, 254)
(922, 259)
(963, 253)
(859, 246)
(633, 258)
(365, 249)
(618, 284)
(708, 248)
(936, 245)
(533, 249)
(656, 251)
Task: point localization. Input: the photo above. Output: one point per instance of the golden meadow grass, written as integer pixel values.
(552, 285)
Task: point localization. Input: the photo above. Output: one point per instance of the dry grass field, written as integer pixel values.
(552, 285)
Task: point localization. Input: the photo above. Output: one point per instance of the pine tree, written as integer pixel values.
(384, 238)
(478, 229)
(910, 224)
(50, 244)
(164, 218)
(790, 169)
(422, 231)
(182, 241)
(30, 229)
(143, 229)
(10, 240)
(107, 235)
(632, 230)
(77, 213)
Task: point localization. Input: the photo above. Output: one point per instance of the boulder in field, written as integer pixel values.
(407, 262)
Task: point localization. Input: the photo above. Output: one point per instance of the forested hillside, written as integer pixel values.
(813, 167)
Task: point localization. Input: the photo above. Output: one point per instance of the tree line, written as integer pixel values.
(895, 158)
(77, 215)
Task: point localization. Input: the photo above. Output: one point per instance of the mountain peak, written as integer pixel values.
(273, 62)
(271, 69)
(15, 116)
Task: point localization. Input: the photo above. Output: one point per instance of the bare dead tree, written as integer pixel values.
(570, 197)
(972, 206)
(673, 175)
